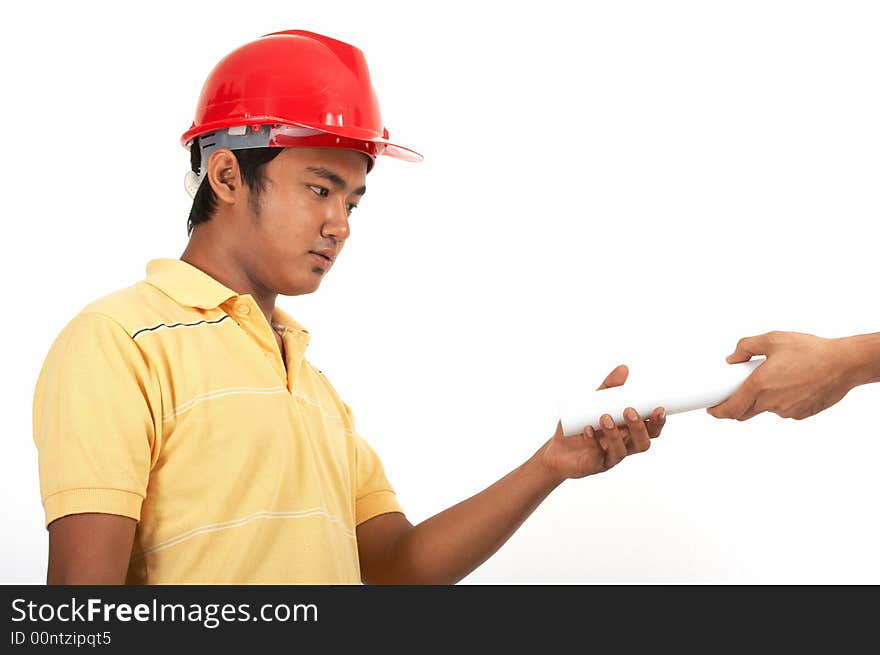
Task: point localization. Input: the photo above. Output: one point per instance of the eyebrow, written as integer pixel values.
(334, 178)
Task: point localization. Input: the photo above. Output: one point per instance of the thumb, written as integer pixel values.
(747, 347)
(616, 378)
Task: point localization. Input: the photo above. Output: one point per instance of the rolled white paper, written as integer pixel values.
(705, 389)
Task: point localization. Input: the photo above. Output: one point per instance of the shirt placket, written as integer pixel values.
(250, 318)
(295, 343)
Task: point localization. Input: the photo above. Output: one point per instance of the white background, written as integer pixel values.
(604, 183)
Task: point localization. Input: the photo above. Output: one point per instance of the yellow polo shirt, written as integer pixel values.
(168, 402)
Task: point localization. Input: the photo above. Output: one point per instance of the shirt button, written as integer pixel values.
(242, 309)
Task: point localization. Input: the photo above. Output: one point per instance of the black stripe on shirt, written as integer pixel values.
(223, 318)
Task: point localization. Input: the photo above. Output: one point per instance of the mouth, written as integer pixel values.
(321, 259)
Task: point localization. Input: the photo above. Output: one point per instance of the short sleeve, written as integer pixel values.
(96, 408)
(374, 494)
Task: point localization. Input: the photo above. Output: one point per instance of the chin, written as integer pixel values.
(300, 289)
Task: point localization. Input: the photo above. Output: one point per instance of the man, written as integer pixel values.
(183, 436)
(803, 374)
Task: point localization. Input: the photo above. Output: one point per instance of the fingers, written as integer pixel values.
(753, 410)
(611, 441)
(639, 439)
(585, 435)
(656, 422)
(740, 403)
(747, 347)
(722, 410)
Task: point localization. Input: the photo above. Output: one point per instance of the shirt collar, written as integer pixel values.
(192, 287)
(280, 317)
(187, 284)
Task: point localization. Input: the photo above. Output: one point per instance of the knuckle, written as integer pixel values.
(754, 385)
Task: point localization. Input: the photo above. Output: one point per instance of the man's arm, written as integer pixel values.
(90, 549)
(803, 374)
(445, 548)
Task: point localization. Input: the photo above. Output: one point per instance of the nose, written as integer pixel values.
(336, 221)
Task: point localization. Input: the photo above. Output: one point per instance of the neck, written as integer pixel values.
(224, 268)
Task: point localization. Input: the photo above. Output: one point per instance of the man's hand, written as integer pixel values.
(802, 376)
(594, 451)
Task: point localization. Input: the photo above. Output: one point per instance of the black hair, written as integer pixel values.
(250, 163)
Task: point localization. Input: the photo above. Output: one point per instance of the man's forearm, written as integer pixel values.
(445, 548)
(863, 353)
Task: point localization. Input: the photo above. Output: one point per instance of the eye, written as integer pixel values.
(323, 192)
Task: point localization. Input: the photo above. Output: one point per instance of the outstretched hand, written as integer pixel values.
(597, 450)
(803, 375)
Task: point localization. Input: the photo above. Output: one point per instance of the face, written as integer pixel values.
(304, 208)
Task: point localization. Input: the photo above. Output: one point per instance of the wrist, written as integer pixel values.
(545, 476)
(861, 354)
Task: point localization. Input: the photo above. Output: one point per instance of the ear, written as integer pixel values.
(367, 162)
(224, 176)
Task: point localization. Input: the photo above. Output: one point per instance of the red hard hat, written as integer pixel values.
(296, 79)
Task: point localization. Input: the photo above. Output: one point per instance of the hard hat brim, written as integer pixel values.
(384, 146)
